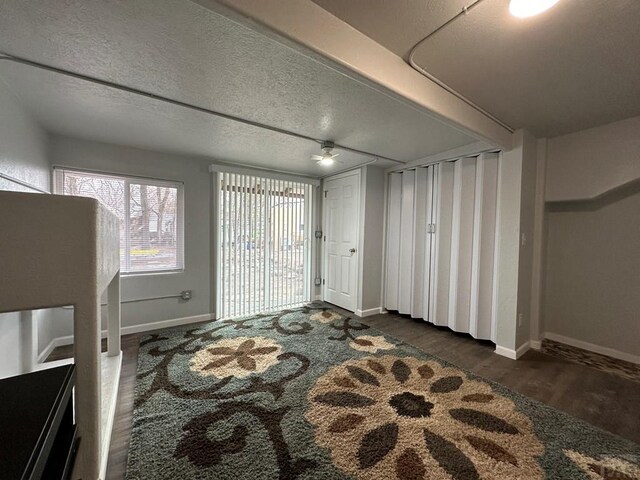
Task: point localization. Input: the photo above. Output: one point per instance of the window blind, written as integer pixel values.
(263, 244)
(149, 213)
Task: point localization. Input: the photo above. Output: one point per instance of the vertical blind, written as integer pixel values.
(149, 211)
(263, 244)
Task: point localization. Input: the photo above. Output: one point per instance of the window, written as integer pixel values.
(150, 214)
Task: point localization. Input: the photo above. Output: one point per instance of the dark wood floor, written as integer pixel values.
(602, 399)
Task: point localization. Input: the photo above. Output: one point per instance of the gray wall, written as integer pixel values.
(372, 181)
(590, 162)
(525, 263)
(591, 289)
(197, 206)
(23, 155)
(508, 240)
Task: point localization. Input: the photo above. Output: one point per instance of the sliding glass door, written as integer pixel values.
(263, 246)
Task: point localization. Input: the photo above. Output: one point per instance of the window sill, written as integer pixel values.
(152, 273)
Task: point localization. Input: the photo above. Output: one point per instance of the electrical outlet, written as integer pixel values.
(186, 295)
(520, 319)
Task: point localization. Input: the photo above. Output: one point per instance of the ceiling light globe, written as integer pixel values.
(529, 8)
(326, 162)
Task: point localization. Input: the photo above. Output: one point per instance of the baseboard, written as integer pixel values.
(175, 322)
(535, 344)
(513, 354)
(144, 327)
(369, 312)
(609, 352)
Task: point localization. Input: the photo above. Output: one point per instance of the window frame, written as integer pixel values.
(58, 188)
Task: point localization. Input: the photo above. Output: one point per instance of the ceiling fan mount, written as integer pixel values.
(328, 157)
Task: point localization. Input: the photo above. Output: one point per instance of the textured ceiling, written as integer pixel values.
(397, 24)
(180, 50)
(79, 109)
(573, 67)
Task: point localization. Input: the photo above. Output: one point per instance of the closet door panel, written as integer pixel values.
(421, 214)
(429, 247)
(443, 211)
(441, 243)
(482, 277)
(462, 244)
(406, 242)
(393, 241)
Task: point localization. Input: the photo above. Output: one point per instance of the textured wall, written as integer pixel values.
(373, 241)
(508, 229)
(586, 164)
(592, 267)
(593, 275)
(23, 146)
(527, 211)
(194, 173)
(23, 155)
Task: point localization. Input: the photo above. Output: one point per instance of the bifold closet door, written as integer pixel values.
(484, 258)
(464, 183)
(466, 245)
(394, 208)
(423, 225)
(441, 243)
(420, 238)
(441, 256)
(409, 212)
(407, 216)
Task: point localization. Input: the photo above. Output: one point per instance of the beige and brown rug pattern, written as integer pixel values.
(311, 394)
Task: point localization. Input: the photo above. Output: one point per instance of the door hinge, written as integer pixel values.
(323, 281)
(325, 193)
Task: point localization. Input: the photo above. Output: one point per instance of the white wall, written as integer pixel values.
(591, 279)
(197, 206)
(23, 155)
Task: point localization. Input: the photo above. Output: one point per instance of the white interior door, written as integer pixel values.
(341, 220)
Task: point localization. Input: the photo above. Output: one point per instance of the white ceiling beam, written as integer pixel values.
(303, 25)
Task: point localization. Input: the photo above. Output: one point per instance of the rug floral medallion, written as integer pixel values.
(311, 394)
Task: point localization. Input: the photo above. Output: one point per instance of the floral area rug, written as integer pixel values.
(311, 394)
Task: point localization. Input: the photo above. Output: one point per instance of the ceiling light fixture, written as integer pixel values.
(326, 161)
(327, 157)
(529, 8)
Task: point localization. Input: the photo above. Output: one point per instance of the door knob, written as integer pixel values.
(352, 251)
